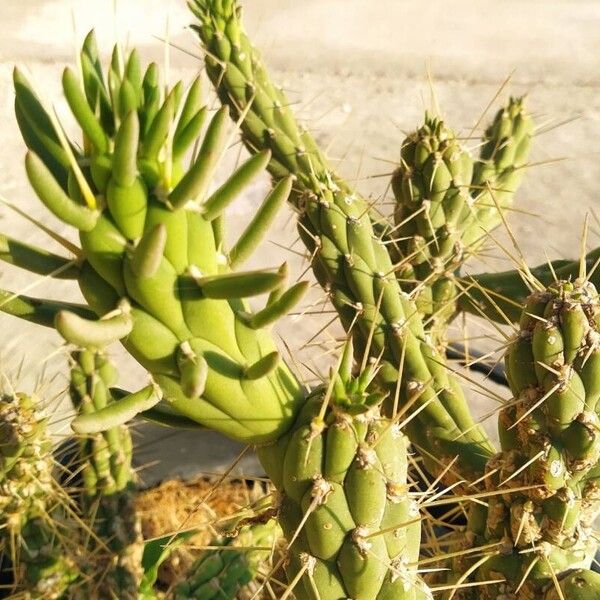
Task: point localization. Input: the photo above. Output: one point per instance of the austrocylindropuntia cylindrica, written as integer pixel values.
(152, 260)
(547, 469)
(33, 535)
(348, 259)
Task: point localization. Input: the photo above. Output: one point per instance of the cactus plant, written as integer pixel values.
(349, 261)
(550, 441)
(107, 496)
(242, 83)
(156, 273)
(32, 536)
(230, 569)
(140, 259)
(344, 471)
(446, 203)
(153, 265)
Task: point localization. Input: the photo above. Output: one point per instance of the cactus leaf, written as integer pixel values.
(94, 334)
(149, 252)
(117, 413)
(278, 308)
(159, 129)
(183, 139)
(238, 285)
(220, 199)
(83, 113)
(262, 367)
(124, 163)
(192, 106)
(56, 200)
(258, 227)
(194, 371)
(194, 183)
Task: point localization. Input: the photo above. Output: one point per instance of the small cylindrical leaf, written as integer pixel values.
(195, 182)
(183, 139)
(118, 412)
(347, 360)
(191, 107)
(54, 197)
(279, 307)
(83, 112)
(126, 146)
(258, 227)
(235, 184)
(133, 73)
(263, 366)
(239, 285)
(149, 251)
(194, 371)
(93, 334)
(159, 130)
(128, 100)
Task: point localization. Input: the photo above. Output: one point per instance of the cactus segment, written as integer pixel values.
(107, 496)
(550, 439)
(433, 210)
(226, 574)
(446, 203)
(153, 269)
(501, 166)
(43, 564)
(350, 261)
(346, 511)
(502, 295)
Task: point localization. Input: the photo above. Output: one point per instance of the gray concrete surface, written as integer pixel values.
(356, 71)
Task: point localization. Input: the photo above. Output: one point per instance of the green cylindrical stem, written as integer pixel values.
(501, 296)
(30, 529)
(433, 210)
(550, 436)
(108, 495)
(227, 573)
(446, 203)
(350, 262)
(500, 169)
(352, 528)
